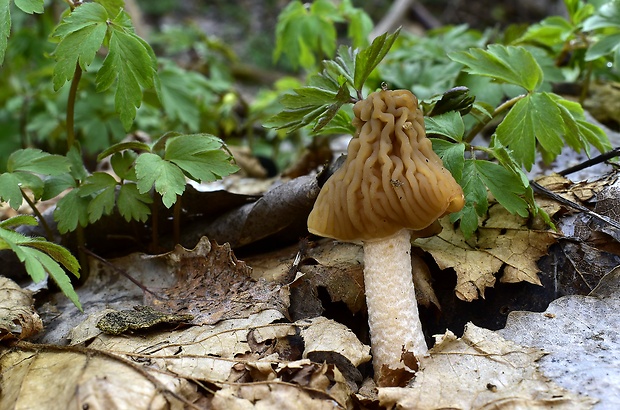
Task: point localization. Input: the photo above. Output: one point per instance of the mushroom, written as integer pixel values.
(392, 187)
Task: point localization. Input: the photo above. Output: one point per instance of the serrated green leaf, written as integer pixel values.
(130, 63)
(113, 7)
(452, 155)
(39, 257)
(476, 202)
(200, 156)
(533, 118)
(37, 260)
(510, 64)
(5, 26)
(167, 177)
(102, 187)
(133, 205)
(339, 124)
(10, 191)
(449, 125)
(368, 59)
(594, 135)
(71, 210)
(81, 35)
(504, 185)
(30, 6)
(123, 165)
(78, 171)
(58, 253)
(307, 96)
(18, 221)
(37, 161)
(551, 31)
(53, 186)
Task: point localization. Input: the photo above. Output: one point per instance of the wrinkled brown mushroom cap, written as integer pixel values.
(392, 179)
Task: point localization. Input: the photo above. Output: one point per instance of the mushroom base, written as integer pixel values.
(395, 327)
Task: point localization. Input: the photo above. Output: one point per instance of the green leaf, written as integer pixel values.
(455, 99)
(304, 32)
(339, 124)
(36, 260)
(535, 117)
(476, 202)
(19, 220)
(200, 156)
(40, 256)
(81, 35)
(10, 191)
(449, 125)
(510, 64)
(102, 187)
(53, 186)
(5, 26)
(71, 210)
(606, 45)
(168, 178)
(132, 204)
(607, 16)
(124, 146)
(30, 6)
(130, 61)
(504, 185)
(78, 171)
(123, 165)
(368, 59)
(37, 161)
(452, 155)
(113, 7)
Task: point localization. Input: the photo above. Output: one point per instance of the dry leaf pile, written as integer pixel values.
(287, 329)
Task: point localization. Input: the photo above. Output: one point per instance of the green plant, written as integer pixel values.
(522, 113)
(95, 41)
(40, 256)
(306, 33)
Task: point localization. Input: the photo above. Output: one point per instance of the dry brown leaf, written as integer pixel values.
(46, 377)
(481, 370)
(300, 385)
(212, 285)
(18, 318)
(502, 241)
(324, 335)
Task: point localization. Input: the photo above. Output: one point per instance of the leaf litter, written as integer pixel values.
(264, 356)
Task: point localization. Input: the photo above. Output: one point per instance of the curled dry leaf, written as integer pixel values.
(18, 318)
(212, 285)
(481, 370)
(503, 241)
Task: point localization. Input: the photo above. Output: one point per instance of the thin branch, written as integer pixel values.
(498, 111)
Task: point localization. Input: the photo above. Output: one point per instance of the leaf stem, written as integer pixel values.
(176, 220)
(77, 75)
(48, 231)
(505, 106)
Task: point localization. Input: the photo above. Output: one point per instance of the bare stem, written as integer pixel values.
(77, 75)
(48, 231)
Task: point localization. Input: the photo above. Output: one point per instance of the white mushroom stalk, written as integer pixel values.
(393, 316)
